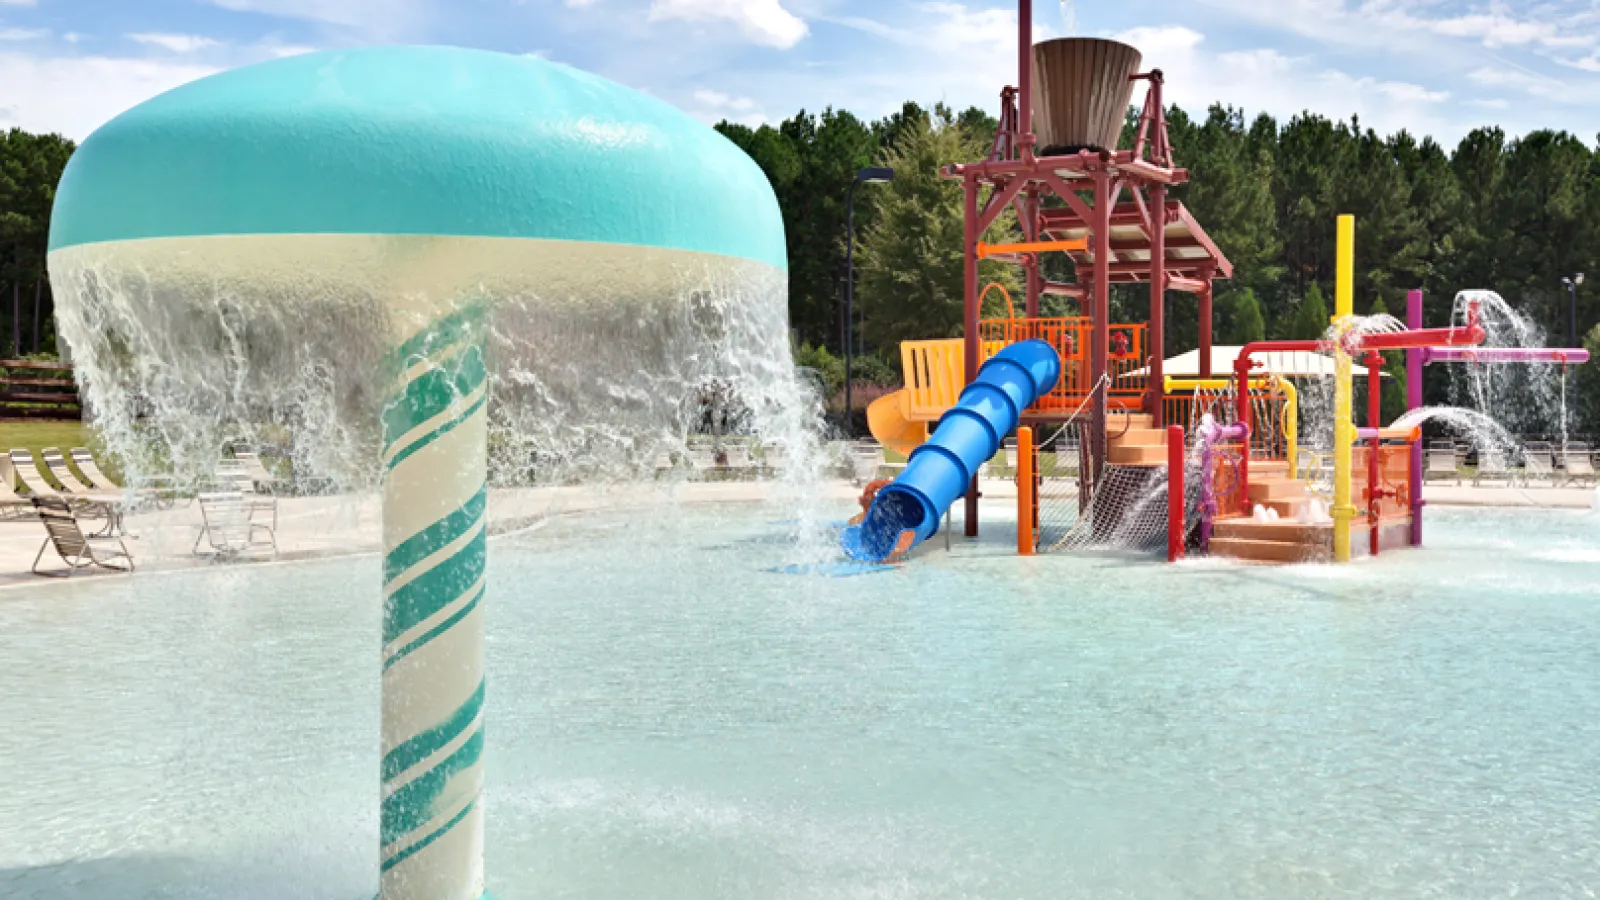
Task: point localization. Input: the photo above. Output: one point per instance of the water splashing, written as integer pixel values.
(603, 359)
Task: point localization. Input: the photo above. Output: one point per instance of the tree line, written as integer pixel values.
(1513, 215)
(30, 168)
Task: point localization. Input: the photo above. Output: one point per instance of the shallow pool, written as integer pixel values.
(670, 719)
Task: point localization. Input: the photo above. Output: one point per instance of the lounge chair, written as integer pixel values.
(233, 475)
(159, 489)
(1442, 462)
(69, 481)
(1538, 462)
(95, 504)
(228, 521)
(76, 549)
(13, 506)
(1491, 467)
(260, 475)
(1579, 466)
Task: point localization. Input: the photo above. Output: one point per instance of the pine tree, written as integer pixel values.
(910, 264)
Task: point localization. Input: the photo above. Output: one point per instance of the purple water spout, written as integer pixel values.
(1566, 355)
(1212, 434)
(1416, 358)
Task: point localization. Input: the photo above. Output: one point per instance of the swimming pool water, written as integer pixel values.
(668, 718)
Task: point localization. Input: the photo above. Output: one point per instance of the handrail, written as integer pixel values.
(1291, 415)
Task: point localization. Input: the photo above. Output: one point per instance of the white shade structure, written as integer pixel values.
(1289, 363)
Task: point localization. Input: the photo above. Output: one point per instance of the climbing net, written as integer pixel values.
(1126, 510)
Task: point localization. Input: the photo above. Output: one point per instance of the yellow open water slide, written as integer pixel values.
(934, 375)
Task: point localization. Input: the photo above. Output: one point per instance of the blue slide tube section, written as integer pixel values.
(968, 434)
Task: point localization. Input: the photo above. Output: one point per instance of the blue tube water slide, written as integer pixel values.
(968, 434)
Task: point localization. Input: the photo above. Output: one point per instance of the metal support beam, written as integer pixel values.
(1156, 334)
(1100, 314)
(969, 331)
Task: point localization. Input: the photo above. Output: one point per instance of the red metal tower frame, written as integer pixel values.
(1016, 176)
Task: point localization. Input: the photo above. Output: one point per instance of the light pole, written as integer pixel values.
(1572, 307)
(1572, 341)
(869, 175)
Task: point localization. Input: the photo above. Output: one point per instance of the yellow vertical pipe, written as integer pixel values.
(1025, 485)
(1343, 429)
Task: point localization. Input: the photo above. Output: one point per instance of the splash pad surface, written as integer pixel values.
(969, 725)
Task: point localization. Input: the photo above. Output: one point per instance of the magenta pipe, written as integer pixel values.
(1212, 434)
(1415, 360)
(1571, 356)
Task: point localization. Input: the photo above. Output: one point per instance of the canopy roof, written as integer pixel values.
(1293, 364)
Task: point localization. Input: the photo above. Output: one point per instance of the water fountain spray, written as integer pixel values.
(404, 257)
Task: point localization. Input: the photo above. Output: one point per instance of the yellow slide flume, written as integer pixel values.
(889, 420)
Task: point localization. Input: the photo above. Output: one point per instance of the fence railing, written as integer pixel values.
(1272, 416)
(1126, 365)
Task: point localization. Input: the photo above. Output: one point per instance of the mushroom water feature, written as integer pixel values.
(401, 257)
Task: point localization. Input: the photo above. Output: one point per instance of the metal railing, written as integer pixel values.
(1126, 365)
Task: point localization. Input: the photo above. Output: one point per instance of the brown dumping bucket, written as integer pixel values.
(1081, 93)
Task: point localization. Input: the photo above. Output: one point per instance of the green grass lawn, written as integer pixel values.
(36, 436)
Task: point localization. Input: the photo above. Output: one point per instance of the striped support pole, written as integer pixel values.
(434, 537)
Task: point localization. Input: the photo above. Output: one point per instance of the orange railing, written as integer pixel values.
(1228, 482)
(1394, 479)
(1071, 336)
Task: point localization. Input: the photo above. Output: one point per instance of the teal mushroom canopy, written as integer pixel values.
(417, 141)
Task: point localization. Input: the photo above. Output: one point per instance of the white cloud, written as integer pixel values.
(23, 34)
(282, 50)
(75, 95)
(375, 19)
(18, 2)
(177, 43)
(1266, 80)
(1490, 104)
(73, 37)
(719, 100)
(764, 22)
(580, 4)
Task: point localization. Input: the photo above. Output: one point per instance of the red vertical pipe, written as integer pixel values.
(1374, 364)
(1030, 231)
(1414, 401)
(1175, 493)
(1205, 331)
(1100, 337)
(969, 331)
(1025, 76)
(1158, 288)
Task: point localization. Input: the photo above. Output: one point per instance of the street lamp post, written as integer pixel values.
(869, 175)
(1572, 307)
(1572, 341)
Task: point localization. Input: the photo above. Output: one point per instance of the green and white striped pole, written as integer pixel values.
(435, 542)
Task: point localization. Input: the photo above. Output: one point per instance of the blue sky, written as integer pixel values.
(1437, 67)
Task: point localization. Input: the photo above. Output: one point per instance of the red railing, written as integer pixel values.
(1070, 337)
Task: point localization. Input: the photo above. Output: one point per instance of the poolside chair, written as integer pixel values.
(159, 489)
(1442, 462)
(1491, 467)
(1579, 466)
(737, 456)
(1538, 462)
(232, 475)
(78, 550)
(69, 481)
(228, 521)
(13, 506)
(107, 505)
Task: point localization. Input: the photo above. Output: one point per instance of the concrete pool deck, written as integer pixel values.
(319, 527)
